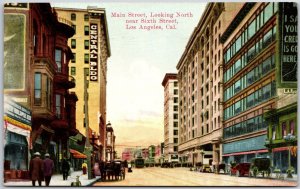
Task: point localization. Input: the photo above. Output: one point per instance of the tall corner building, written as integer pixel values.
(91, 49)
(260, 84)
(200, 76)
(171, 99)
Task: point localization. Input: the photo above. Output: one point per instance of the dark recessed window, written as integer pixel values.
(86, 30)
(86, 17)
(73, 43)
(74, 27)
(73, 70)
(86, 58)
(74, 58)
(73, 16)
(86, 44)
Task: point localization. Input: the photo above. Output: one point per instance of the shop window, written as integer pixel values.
(37, 88)
(16, 152)
(283, 129)
(292, 127)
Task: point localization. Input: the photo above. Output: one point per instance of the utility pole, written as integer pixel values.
(88, 146)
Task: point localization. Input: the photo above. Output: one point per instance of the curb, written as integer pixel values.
(90, 184)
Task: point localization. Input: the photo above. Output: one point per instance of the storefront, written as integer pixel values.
(244, 150)
(17, 128)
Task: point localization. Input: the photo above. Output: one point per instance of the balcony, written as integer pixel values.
(42, 113)
(65, 26)
(45, 63)
(64, 81)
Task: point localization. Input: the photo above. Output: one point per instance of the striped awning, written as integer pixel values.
(77, 154)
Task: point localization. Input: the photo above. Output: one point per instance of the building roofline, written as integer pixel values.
(195, 32)
(103, 12)
(167, 77)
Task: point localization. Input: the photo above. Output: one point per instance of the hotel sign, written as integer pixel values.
(288, 41)
(93, 52)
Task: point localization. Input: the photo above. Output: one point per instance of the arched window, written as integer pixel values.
(73, 16)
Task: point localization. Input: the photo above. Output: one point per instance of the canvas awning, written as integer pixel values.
(77, 154)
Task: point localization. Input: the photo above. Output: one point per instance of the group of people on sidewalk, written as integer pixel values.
(40, 170)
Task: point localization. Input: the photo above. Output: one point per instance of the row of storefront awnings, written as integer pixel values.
(77, 154)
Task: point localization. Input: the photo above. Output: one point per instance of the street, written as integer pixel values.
(156, 176)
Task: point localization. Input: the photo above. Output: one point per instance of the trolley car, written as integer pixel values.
(139, 162)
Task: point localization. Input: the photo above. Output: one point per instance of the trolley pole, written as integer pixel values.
(88, 146)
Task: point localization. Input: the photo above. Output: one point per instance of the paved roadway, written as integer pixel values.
(156, 176)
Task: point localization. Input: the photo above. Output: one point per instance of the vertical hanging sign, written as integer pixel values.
(93, 52)
(288, 41)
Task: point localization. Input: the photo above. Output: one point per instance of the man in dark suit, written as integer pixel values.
(48, 168)
(36, 169)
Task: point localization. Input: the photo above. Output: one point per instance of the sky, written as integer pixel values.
(138, 63)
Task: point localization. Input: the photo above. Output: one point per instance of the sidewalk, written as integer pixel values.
(57, 180)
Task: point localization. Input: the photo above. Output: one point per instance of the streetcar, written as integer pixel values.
(139, 162)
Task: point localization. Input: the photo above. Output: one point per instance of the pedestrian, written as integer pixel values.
(48, 168)
(36, 169)
(102, 170)
(65, 168)
(84, 168)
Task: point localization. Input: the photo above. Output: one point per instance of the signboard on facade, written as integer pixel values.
(255, 143)
(14, 51)
(94, 52)
(288, 24)
(17, 112)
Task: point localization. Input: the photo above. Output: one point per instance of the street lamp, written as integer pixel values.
(290, 139)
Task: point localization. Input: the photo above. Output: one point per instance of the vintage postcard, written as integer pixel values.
(150, 93)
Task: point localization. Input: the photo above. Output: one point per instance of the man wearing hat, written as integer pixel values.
(36, 169)
(48, 168)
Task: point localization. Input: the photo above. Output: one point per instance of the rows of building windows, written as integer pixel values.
(73, 17)
(86, 44)
(251, 125)
(259, 46)
(249, 31)
(252, 76)
(259, 96)
(86, 29)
